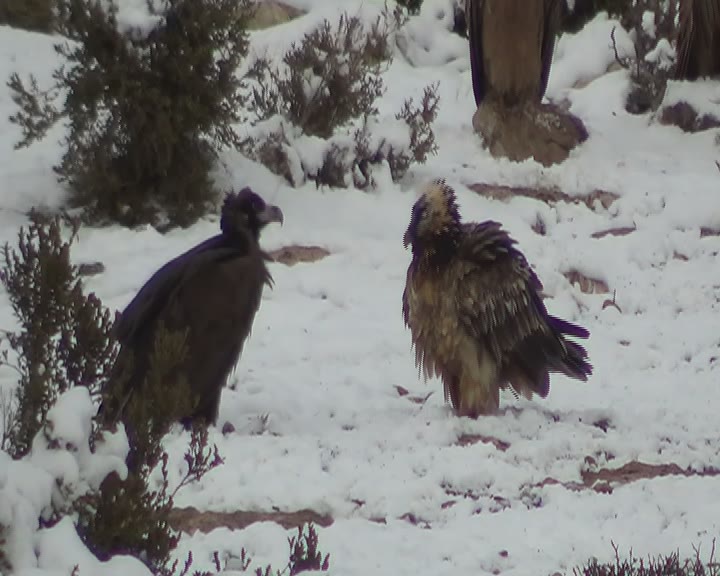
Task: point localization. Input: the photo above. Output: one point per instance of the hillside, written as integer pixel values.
(327, 410)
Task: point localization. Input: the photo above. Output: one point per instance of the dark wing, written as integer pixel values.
(218, 304)
(500, 304)
(157, 300)
(151, 299)
(550, 28)
(473, 16)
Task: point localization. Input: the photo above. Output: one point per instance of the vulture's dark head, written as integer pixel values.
(435, 222)
(246, 211)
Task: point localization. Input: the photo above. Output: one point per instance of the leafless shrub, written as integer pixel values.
(324, 92)
(663, 565)
(330, 78)
(652, 25)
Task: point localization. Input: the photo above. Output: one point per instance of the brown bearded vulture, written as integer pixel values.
(213, 290)
(698, 43)
(474, 309)
(511, 47)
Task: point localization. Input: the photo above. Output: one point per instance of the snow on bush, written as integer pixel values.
(39, 489)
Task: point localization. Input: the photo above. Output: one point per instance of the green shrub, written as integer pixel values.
(648, 75)
(36, 15)
(330, 78)
(64, 340)
(147, 112)
(304, 556)
(64, 337)
(325, 90)
(128, 517)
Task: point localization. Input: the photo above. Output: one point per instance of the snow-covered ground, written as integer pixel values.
(319, 422)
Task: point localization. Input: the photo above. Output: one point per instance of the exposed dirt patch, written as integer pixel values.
(706, 231)
(293, 254)
(415, 520)
(587, 285)
(546, 195)
(601, 480)
(455, 493)
(633, 471)
(605, 480)
(191, 519)
(621, 231)
(470, 439)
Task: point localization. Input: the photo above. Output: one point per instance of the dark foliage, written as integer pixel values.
(304, 555)
(648, 76)
(330, 78)
(36, 15)
(412, 6)
(422, 138)
(147, 112)
(151, 414)
(127, 517)
(668, 565)
(328, 84)
(4, 561)
(64, 337)
(65, 340)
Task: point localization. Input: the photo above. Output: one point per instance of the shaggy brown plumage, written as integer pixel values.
(474, 309)
(698, 42)
(214, 291)
(511, 47)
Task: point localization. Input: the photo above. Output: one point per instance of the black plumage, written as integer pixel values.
(474, 309)
(213, 291)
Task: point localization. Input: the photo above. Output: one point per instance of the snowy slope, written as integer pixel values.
(329, 347)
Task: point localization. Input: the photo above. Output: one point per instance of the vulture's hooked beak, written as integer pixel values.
(271, 214)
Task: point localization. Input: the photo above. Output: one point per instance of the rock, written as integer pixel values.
(291, 255)
(530, 130)
(685, 117)
(91, 268)
(271, 13)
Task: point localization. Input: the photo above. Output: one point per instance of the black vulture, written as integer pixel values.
(213, 291)
(511, 47)
(475, 311)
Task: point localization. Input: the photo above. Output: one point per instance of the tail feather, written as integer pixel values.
(567, 328)
(575, 363)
